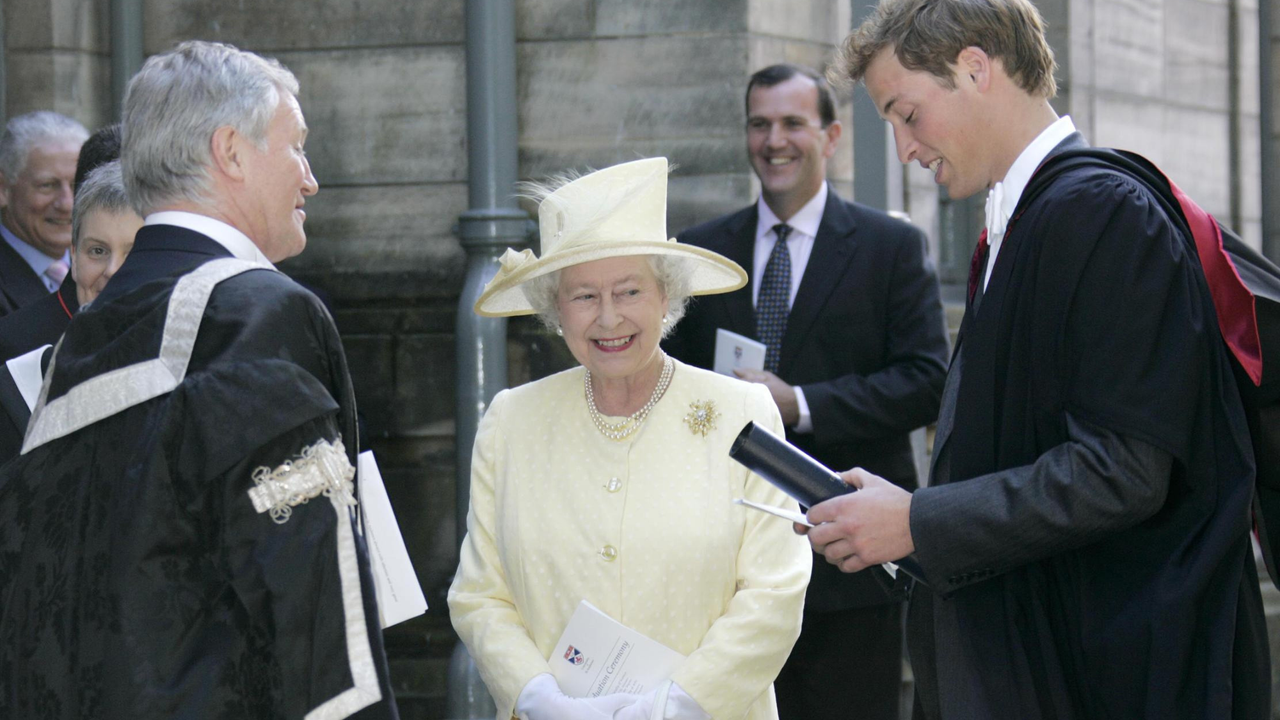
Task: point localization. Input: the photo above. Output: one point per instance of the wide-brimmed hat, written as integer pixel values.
(621, 210)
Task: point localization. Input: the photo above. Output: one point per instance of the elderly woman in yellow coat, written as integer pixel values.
(611, 482)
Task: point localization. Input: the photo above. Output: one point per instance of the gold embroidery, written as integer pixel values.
(702, 417)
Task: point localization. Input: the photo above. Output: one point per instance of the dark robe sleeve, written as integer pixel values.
(1095, 484)
(297, 573)
(1120, 339)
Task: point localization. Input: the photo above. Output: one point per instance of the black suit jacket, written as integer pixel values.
(19, 284)
(866, 342)
(39, 323)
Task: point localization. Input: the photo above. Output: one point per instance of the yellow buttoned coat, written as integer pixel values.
(645, 529)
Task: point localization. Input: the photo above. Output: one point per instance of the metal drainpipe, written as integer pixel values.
(1270, 150)
(126, 49)
(493, 223)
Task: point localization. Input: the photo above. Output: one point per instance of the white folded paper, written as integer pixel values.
(792, 515)
(399, 594)
(737, 351)
(597, 655)
(798, 517)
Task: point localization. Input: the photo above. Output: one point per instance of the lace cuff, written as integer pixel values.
(322, 468)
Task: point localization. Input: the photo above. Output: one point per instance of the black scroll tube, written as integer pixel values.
(806, 480)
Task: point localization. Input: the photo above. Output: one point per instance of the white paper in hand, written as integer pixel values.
(737, 351)
(597, 655)
(399, 594)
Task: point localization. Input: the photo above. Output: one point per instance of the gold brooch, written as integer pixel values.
(702, 417)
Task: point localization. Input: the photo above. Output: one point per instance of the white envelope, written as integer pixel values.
(399, 594)
(737, 351)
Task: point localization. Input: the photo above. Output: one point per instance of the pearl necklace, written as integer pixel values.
(628, 426)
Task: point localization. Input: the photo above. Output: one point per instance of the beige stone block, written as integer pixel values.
(383, 244)
(75, 84)
(1196, 72)
(1250, 64)
(1130, 123)
(920, 203)
(818, 21)
(693, 155)
(555, 19)
(384, 115)
(382, 228)
(1077, 69)
(1250, 168)
(599, 102)
(765, 50)
(1251, 232)
(57, 24)
(1197, 157)
(1129, 52)
(695, 199)
(662, 17)
(303, 24)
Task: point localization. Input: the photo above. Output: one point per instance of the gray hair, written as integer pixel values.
(102, 190)
(672, 273)
(24, 132)
(177, 101)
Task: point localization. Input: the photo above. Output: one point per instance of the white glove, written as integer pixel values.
(678, 706)
(541, 699)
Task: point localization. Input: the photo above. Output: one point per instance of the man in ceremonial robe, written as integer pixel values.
(181, 536)
(1084, 540)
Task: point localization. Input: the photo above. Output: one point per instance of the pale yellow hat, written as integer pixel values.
(621, 210)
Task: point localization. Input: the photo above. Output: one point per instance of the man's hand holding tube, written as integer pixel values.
(864, 528)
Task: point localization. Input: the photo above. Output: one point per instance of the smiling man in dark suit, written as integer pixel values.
(848, 307)
(38, 153)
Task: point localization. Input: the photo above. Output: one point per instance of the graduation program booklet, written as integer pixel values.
(597, 655)
(737, 351)
(399, 594)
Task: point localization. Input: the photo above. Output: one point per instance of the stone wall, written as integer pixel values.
(56, 58)
(1155, 77)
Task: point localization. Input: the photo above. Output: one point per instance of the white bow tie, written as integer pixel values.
(997, 218)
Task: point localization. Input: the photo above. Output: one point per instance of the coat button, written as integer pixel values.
(614, 485)
(608, 553)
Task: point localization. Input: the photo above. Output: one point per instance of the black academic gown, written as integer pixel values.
(1086, 533)
(138, 575)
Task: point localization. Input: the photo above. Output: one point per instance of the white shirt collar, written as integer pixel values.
(1009, 191)
(236, 242)
(805, 221)
(1015, 181)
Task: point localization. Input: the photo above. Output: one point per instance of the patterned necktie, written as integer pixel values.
(57, 271)
(774, 303)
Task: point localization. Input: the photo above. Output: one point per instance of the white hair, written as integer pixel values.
(102, 189)
(24, 132)
(174, 105)
(672, 273)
